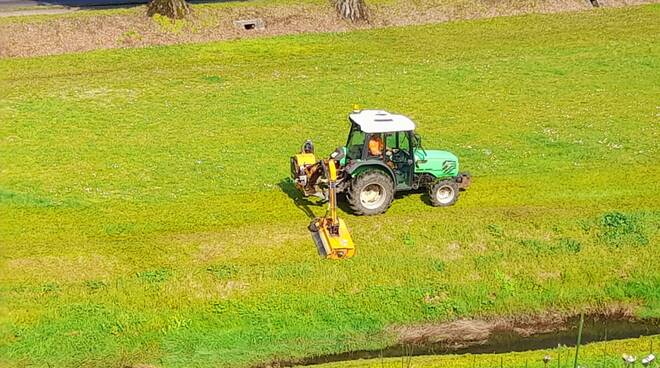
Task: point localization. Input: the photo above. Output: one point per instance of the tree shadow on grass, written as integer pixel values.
(287, 186)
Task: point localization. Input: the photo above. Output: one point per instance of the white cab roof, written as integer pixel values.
(379, 121)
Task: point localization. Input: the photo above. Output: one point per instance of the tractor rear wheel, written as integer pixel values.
(370, 193)
(443, 193)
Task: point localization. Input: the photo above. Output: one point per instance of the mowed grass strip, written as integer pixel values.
(147, 216)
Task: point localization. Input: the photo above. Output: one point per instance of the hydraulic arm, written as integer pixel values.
(329, 232)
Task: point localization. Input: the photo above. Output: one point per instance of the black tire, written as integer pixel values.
(374, 181)
(443, 193)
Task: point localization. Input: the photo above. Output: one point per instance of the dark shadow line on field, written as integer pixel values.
(287, 186)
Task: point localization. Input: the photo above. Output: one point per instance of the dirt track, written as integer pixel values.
(65, 34)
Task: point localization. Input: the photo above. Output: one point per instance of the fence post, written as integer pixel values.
(579, 340)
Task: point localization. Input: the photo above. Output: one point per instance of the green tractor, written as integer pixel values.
(383, 155)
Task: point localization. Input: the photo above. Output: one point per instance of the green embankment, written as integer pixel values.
(143, 218)
(600, 355)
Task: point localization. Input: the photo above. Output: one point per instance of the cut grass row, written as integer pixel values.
(146, 216)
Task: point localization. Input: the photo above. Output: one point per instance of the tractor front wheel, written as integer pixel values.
(370, 193)
(444, 193)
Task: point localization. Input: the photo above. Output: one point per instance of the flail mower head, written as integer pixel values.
(330, 233)
(332, 240)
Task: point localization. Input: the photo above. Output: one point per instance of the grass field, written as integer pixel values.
(146, 215)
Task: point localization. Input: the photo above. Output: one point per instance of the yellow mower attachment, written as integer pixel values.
(301, 164)
(305, 170)
(329, 233)
(304, 159)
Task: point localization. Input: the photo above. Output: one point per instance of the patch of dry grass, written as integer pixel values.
(67, 269)
(34, 36)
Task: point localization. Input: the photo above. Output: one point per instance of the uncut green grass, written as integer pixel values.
(144, 220)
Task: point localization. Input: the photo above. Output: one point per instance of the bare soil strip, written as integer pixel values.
(499, 335)
(464, 333)
(69, 33)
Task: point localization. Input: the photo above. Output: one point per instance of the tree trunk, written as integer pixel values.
(174, 9)
(353, 10)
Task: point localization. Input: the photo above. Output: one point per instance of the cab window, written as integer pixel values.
(404, 142)
(355, 144)
(390, 140)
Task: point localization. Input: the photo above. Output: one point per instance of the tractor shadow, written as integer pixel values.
(304, 204)
(342, 204)
(287, 186)
(422, 193)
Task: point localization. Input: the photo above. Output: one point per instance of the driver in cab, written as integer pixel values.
(376, 147)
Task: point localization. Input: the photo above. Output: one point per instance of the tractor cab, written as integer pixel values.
(381, 138)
